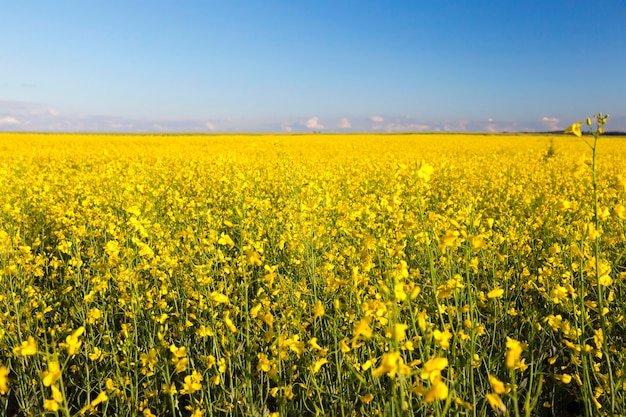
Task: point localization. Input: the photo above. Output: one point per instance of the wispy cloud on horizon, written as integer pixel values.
(41, 117)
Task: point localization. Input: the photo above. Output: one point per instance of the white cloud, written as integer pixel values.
(286, 127)
(53, 112)
(551, 123)
(9, 120)
(406, 127)
(344, 123)
(377, 119)
(210, 126)
(314, 123)
(491, 128)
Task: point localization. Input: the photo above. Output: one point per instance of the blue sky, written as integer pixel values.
(300, 65)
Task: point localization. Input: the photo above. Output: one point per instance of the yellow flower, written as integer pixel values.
(344, 346)
(102, 397)
(362, 328)
(438, 391)
(192, 383)
(50, 405)
(495, 293)
(264, 363)
(72, 342)
(397, 332)
(513, 354)
(433, 367)
(575, 129)
(495, 402)
(318, 309)
(425, 172)
(53, 373)
(4, 381)
(318, 364)
(388, 365)
(605, 280)
(27, 348)
(367, 398)
(219, 298)
(465, 404)
(229, 323)
(442, 338)
(497, 385)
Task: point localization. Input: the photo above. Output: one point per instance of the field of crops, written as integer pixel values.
(288, 275)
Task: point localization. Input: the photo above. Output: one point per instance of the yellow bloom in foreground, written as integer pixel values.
(102, 397)
(4, 381)
(605, 280)
(495, 293)
(219, 298)
(192, 383)
(442, 338)
(264, 363)
(362, 328)
(52, 375)
(495, 402)
(318, 364)
(318, 309)
(72, 342)
(50, 405)
(513, 353)
(425, 172)
(432, 368)
(464, 404)
(497, 385)
(437, 391)
(575, 129)
(389, 365)
(27, 348)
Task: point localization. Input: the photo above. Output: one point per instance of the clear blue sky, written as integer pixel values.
(300, 65)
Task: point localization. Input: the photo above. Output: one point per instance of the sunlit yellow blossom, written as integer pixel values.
(4, 380)
(495, 293)
(425, 172)
(448, 239)
(605, 280)
(438, 391)
(73, 342)
(27, 348)
(344, 346)
(513, 353)
(497, 385)
(264, 363)
(367, 398)
(495, 402)
(465, 404)
(389, 364)
(229, 323)
(397, 332)
(219, 298)
(318, 364)
(575, 129)
(192, 383)
(318, 309)
(442, 338)
(362, 328)
(52, 374)
(50, 405)
(433, 367)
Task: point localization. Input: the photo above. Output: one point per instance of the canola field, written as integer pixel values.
(311, 275)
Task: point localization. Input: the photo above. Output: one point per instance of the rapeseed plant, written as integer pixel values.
(327, 275)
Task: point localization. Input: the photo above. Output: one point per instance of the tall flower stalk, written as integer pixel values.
(575, 129)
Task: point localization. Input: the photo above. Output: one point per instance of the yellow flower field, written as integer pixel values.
(302, 275)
